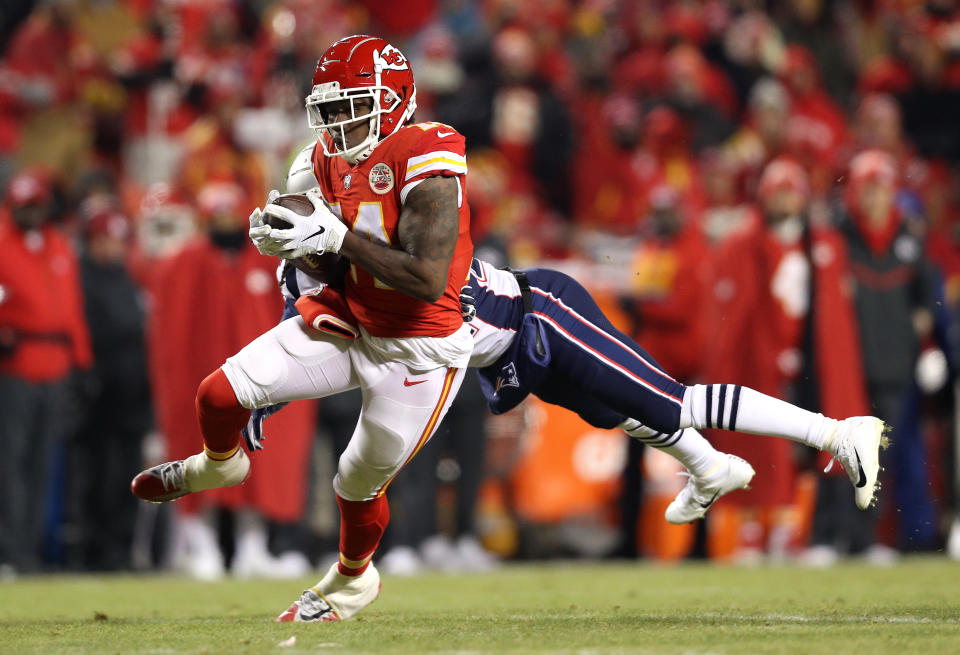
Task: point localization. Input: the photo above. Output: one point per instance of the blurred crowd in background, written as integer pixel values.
(760, 192)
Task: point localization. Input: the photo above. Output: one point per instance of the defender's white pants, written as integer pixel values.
(402, 406)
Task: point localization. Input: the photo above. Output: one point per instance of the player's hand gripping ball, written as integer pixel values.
(329, 267)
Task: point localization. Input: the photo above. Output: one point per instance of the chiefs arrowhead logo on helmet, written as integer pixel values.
(390, 58)
(369, 80)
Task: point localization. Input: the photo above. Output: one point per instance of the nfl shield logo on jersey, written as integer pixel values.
(346, 181)
(381, 178)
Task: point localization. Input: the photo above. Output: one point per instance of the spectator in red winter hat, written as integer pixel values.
(701, 94)
(781, 287)
(528, 123)
(896, 299)
(666, 157)
(439, 72)
(642, 70)
(607, 191)
(108, 222)
(871, 198)
(879, 120)
(726, 213)
(810, 105)
(43, 342)
(29, 198)
(223, 273)
(220, 205)
(165, 223)
(670, 288)
(768, 113)
(40, 58)
(824, 29)
(878, 125)
(763, 134)
(783, 192)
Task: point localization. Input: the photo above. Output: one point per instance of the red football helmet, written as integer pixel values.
(358, 67)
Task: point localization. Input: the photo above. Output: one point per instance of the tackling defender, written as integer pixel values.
(539, 331)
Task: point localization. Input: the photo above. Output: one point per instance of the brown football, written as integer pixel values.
(330, 267)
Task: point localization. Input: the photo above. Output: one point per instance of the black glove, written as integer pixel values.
(253, 431)
(468, 304)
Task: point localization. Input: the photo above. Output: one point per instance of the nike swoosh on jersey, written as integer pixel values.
(408, 383)
(444, 134)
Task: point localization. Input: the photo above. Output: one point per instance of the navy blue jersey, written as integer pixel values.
(562, 348)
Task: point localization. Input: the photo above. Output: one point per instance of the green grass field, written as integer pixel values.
(564, 608)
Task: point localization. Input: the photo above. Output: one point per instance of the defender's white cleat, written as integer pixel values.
(693, 501)
(336, 597)
(856, 443)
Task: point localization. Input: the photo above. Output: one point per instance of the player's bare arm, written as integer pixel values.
(428, 228)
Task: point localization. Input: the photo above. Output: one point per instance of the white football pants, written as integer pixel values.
(401, 410)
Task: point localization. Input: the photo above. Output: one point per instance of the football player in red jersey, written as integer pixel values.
(391, 198)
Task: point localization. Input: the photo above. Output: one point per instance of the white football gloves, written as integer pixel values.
(320, 232)
(260, 231)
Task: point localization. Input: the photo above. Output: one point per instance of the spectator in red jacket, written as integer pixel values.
(782, 288)
(216, 293)
(672, 287)
(43, 338)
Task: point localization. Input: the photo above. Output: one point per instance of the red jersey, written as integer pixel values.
(368, 197)
(41, 302)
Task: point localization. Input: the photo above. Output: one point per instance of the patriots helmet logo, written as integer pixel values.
(507, 378)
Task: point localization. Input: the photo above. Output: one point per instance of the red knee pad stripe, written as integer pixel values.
(221, 415)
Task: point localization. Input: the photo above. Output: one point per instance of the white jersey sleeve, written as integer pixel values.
(495, 291)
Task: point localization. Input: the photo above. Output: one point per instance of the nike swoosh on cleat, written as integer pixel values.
(863, 476)
(320, 231)
(711, 501)
(314, 617)
(408, 383)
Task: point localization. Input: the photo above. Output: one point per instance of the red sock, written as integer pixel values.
(361, 525)
(221, 416)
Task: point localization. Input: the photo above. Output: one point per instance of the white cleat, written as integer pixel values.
(172, 480)
(693, 501)
(336, 597)
(856, 443)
